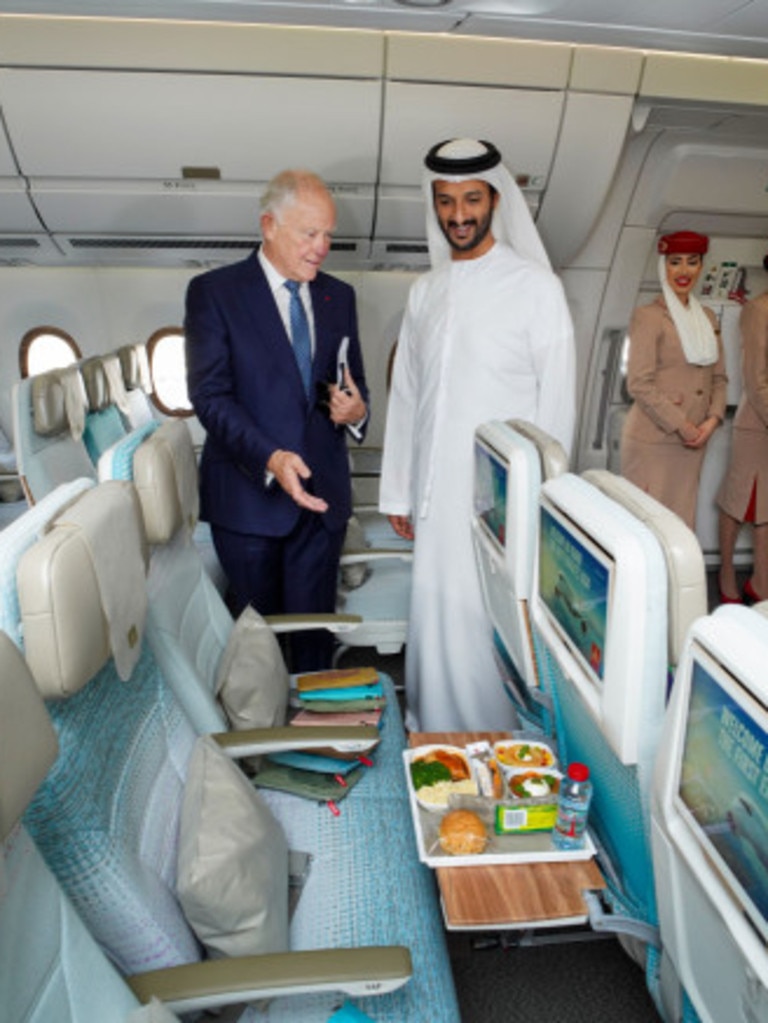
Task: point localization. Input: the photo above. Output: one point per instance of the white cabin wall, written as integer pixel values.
(103, 308)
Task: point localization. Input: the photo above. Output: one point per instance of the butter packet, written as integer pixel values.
(515, 820)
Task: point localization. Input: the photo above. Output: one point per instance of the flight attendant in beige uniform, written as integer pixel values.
(743, 494)
(676, 376)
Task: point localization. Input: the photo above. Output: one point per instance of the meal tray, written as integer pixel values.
(531, 847)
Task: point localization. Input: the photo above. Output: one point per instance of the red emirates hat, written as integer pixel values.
(683, 241)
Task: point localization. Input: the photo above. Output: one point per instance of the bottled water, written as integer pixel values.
(572, 808)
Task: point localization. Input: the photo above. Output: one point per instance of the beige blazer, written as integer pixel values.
(667, 390)
(752, 413)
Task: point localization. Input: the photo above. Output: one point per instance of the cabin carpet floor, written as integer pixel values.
(583, 982)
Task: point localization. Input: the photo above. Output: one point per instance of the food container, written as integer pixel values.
(538, 784)
(437, 772)
(516, 754)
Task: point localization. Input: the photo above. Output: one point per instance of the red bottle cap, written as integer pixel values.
(578, 772)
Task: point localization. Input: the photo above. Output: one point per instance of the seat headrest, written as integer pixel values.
(114, 373)
(135, 367)
(165, 475)
(82, 591)
(28, 743)
(96, 383)
(59, 402)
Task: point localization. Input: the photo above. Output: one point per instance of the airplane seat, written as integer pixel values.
(50, 966)
(709, 817)
(48, 421)
(684, 558)
(137, 381)
(375, 568)
(117, 463)
(381, 598)
(108, 817)
(600, 617)
(511, 461)
(189, 625)
(105, 422)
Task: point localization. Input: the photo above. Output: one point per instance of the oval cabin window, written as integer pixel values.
(168, 364)
(45, 348)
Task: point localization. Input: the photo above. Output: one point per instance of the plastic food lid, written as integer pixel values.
(578, 772)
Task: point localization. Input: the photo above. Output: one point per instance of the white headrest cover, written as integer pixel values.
(28, 744)
(82, 591)
(165, 475)
(58, 402)
(96, 384)
(135, 366)
(115, 385)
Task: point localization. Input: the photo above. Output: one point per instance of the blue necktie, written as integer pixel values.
(302, 343)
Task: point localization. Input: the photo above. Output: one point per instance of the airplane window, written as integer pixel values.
(46, 348)
(168, 365)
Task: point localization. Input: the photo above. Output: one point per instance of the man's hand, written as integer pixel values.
(346, 405)
(402, 525)
(289, 469)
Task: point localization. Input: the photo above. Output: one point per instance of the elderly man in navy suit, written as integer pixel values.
(275, 375)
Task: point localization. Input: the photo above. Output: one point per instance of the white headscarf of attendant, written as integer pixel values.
(693, 326)
(476, 160)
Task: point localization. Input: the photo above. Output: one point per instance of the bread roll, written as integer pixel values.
(462, 833)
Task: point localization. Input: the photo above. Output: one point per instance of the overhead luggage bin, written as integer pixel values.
(189, 145)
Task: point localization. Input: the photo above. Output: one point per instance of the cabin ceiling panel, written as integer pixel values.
(16, 211)
(8, 167)
(189, 46)
(700, 175)
(150, 125)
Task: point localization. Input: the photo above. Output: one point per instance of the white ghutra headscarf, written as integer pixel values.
(475, 160)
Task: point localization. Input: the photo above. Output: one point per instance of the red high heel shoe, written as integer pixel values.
(724, 599)
(751, 596)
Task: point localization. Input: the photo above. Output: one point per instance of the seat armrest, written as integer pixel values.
(332, 622)
(375, 554)
(355, 971)
(338, 739)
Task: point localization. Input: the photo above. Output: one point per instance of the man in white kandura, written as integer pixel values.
(486, 335)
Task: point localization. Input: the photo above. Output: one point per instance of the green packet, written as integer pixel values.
(323, 788)
(514, 820)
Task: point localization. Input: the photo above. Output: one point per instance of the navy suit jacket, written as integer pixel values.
(246, 389)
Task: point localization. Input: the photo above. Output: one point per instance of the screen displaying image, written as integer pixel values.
(491, 492)
(574, 584)
(723, 783)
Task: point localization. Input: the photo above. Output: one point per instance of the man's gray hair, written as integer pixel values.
(284, 188)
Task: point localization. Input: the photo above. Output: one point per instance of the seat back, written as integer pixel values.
(686, 571)
(188, 622)
(710, 819)
(511, 461)
(600, 620)
(137, 381)
(50, 966)
(106, 817)
(48, 421)
(105, 422)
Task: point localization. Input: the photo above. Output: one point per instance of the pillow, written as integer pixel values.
(232, 861)
(252, 681)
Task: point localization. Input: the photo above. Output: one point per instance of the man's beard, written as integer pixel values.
(482, 228)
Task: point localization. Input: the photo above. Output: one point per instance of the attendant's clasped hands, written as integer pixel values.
(697, 436)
